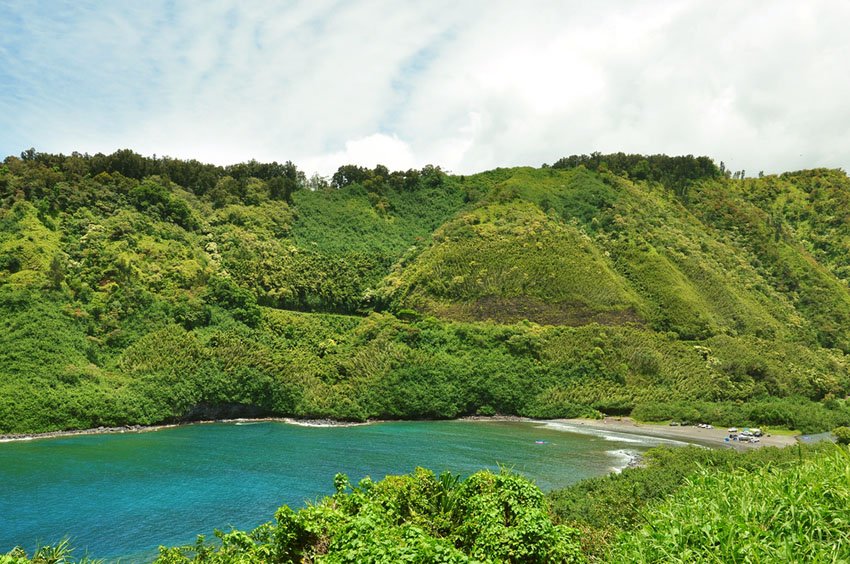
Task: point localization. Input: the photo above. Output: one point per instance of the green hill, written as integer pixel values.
(572, 247)
(511, 261)
(139, 290)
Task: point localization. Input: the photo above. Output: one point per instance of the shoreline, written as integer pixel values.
(712, 438)
(692, 435)
(14, 437)
(319, 422)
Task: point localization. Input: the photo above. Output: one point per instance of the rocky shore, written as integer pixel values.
(150, 428)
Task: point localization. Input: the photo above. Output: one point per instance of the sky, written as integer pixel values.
(763, 85)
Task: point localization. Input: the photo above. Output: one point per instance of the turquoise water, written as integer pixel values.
(122, 495)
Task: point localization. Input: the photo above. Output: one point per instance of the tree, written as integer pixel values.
(154, 198)
(350, 174)
(56, 272)
(317, 182)
(241, 303)
(256, 191)
(226, 191)
(641, 171)
(842, 435)
(128, 163)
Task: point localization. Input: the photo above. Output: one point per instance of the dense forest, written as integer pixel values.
(141, 290)
(138, 290)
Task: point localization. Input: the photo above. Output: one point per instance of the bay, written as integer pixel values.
(120, 496)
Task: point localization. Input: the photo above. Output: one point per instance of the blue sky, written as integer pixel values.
(467, 85)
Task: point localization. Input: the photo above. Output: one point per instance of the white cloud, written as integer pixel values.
(468, 86)
(369, 151)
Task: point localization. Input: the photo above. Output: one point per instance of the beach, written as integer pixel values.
(687, 434)
(715, 437)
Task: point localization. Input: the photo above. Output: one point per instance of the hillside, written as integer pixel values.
(136, 290)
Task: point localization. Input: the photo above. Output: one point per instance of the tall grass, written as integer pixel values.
(799, 513)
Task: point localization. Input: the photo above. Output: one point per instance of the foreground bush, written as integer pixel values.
(413, 518)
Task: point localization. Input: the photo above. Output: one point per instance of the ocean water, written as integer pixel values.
(120, 496)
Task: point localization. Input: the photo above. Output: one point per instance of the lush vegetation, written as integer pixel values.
(791, 514)
(415, 518)
(140, 290)
(610, 508)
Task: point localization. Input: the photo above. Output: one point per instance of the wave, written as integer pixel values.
(613, 436)
(625, 459)
(291, 421)
(320, 423)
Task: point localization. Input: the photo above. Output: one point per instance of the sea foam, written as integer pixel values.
(613, 436)
(624, 459)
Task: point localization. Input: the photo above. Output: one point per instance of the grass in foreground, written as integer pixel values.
(775, 514)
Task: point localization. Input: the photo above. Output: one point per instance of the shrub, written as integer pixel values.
(413, 518)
